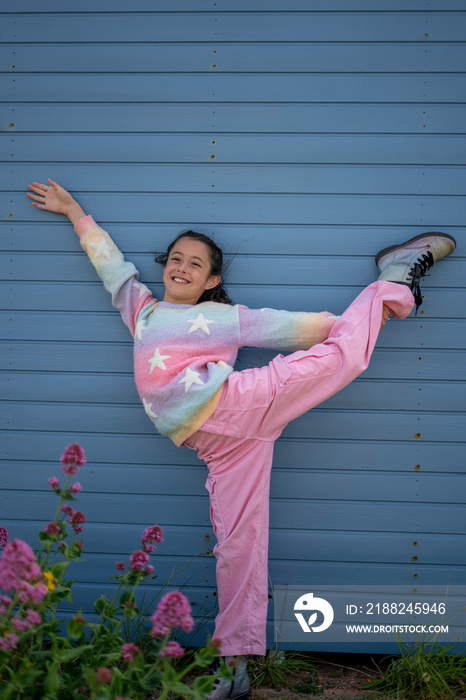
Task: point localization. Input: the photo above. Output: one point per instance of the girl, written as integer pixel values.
(185, 348)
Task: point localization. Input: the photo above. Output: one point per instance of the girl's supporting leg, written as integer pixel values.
(236, 442)
(238, 484)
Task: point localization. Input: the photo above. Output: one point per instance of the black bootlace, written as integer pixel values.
(417, 271)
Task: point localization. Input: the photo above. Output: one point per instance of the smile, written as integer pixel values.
(179, 280)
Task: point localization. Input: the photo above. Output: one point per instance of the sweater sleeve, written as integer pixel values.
(283, 330)
(120, 277)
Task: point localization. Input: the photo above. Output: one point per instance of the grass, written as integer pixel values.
(276, 670)
(424, 672)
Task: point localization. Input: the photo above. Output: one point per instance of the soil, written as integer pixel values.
(332, 677)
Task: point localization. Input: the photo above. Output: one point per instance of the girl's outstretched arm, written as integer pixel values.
(120, 277)
(53, 197)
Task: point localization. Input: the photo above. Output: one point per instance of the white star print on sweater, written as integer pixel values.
(183, 354)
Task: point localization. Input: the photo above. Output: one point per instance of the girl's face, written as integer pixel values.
(187, 272)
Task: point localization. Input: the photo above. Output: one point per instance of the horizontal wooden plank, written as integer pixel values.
(307, 453)
(329, 57)
(88, 297)
(332, 515)
(178, 541)
(235, 26)
(57, 235)
(431, 211)
(375, 547)
(428, 149)
(228, 87)
(258, 269)
(215, 117)
(244, 5)
(318, 423)
(280, 178)
(400, 425)
(48, 356)
(202, 599)
(289, 483)
(200, 574)
(106, 388)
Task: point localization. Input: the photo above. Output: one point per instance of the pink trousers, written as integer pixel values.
(237, 441)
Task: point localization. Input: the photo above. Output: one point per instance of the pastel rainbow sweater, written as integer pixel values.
(183, 354)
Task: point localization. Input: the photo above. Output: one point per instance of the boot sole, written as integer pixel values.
(391, 248)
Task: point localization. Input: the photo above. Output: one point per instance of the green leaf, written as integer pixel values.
(110, 658)
(66, 495)
(43, 536)
(52, 682)
(101, 603)
(59, 568)
(75, 628)
(204, 657)
(75, 652)
(182, 689)
(26, 676)
(170, 676)
(152, 679)
(69, 597)
(126, 597)
(204, 684)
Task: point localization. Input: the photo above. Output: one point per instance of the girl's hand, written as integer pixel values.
(385, 316)
(53, 197)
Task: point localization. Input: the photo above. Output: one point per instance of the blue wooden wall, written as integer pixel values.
(305, 135)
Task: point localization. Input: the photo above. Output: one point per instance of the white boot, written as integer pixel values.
(237, 689)
(407, 262)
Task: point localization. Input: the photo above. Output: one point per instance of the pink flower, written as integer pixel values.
(54, 483)
(32, 593)
(150, 535)
(9, 642)
(77, 519)
(21, 625)
(72, 459)
(138, 559)
(172, 649)
(130, 604)
(119, 566)
(149, 569)
(52, 529)
(3, 536)
(5, 602)
(104, 675)
(18, 564)
(33, 616)
(173, 610)
(148, 548)
(129, 651)
(67, 510)
(75, 488)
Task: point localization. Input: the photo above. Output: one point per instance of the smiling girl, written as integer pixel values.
(185, 349)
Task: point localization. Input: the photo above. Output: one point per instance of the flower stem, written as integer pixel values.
(61, 498)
